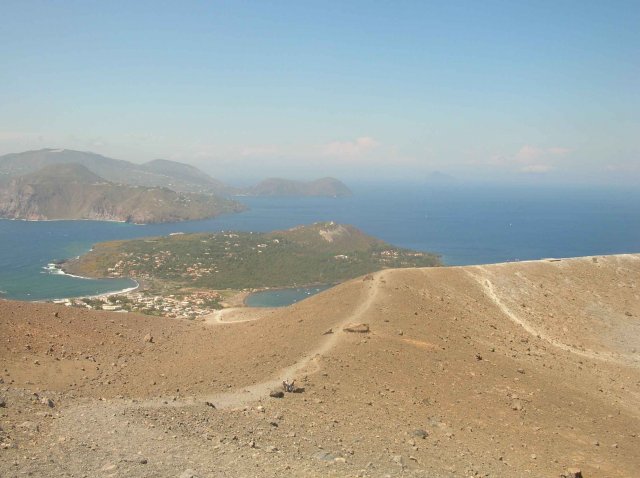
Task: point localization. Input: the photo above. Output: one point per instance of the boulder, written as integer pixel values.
(573, 473)
(357, 328)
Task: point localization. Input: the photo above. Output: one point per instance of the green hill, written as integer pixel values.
(319, 253)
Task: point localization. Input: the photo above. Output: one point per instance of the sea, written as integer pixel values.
(464, 223)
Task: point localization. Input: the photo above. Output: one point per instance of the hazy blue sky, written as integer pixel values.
(378, 89)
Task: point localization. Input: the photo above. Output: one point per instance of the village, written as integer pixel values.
(183, 305)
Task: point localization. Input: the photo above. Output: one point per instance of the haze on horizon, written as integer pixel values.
(534, 91)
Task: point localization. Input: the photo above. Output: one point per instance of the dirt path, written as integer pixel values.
(91, 422)
(306, 365)
(481, 277)
(237, 315)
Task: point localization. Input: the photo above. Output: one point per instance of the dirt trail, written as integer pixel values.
(479, 274)
(515, 369)
(237, 315)
(306, 365)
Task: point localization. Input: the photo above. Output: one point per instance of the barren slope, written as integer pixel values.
(521, 369)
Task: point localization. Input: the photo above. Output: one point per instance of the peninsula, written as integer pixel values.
(188, 267)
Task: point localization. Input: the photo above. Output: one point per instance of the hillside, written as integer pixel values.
(162, 173)
(329, 187)
(320, 253)
(183, 176)
(506, 370)
(72, 191)
(159, 173)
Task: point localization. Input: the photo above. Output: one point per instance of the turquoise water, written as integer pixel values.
(465, 224)
(282, 297)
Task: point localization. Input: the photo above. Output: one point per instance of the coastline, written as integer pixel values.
(79, 219)
(53, 266)
(95, 296)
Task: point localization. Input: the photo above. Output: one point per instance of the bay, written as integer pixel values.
(466, 224)
(282, 297)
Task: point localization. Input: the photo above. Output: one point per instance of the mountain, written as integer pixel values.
(72, 191)
(526, 369)
(181, 175)
(330, 187)
(158, 173)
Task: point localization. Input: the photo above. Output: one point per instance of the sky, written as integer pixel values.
(494, 90)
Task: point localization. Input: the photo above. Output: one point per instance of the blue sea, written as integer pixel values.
(466, 224)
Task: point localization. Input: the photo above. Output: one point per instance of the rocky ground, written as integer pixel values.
(508, 370)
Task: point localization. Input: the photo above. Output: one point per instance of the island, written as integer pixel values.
(328, 187)
(189, 275)
(70, 191)
(161, 173)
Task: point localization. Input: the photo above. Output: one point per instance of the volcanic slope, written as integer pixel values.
(520, 369)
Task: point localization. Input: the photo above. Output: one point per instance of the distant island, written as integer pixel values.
(161, 173)
(71, 191)
(187, 268)
(329, 187)
(57, 184)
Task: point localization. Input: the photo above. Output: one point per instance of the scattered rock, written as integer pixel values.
(628, 314)
(516, 405)
(572, 473)
(209, 404)
(357, 328)
(48, 402)
(56, 314)
(478, 357)
(327, 332)
(3, 403)
(420, 433)
(520, 370)
(148, 338)
(32, 427)
(324, 456)
(109, 467)
(276, 394)
(368, 277)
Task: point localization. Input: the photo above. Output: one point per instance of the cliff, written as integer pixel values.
(72, 191)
